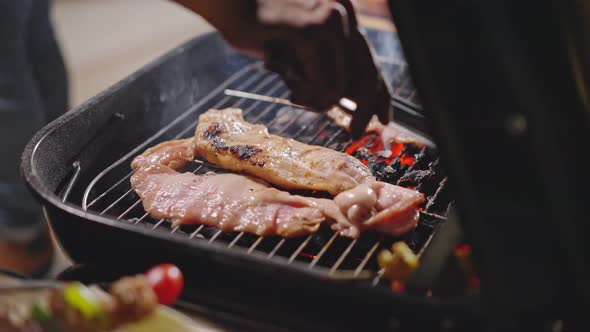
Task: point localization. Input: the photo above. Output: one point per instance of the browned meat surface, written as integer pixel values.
(390, 133)
(230, 202)
(225, 139)
(133, 299)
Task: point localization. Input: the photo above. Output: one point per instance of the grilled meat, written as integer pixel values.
(390, 133)
(234, 202)
(225, 139)
(381, 206)
(174, 154)
(230, 202)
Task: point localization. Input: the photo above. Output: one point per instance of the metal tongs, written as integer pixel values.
(369, 95)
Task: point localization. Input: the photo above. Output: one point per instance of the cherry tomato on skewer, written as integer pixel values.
(167, 282)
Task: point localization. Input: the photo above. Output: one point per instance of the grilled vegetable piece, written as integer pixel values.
(86, 302)
(399, 263)
(76, 307)
(53, 306)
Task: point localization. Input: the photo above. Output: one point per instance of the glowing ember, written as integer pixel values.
(354, 146)
(463, 250)
(474, 282)
(406, 159)
(370, 149)
(397, 286)
(306, 255)
(463, 254)
(396, 149)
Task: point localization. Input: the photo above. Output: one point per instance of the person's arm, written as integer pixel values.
(235, 19)
(314, 44)
(250, 23)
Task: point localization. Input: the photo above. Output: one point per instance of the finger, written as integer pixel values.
(359, 122)
(336, 57)
(305, 88)
(350, 12)
(383, 108)
(294, 13)
(363, 89)
(311, 53)
(328, 49)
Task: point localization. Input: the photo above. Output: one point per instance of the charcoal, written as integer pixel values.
(363, 153)
(413, 178)
(384, 172)
(384, 154)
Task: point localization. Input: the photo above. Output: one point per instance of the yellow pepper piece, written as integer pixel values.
(84, 300)
(399, 263)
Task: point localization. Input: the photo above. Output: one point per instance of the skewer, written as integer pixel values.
(255, 96)
(345, 104)
(29, 285)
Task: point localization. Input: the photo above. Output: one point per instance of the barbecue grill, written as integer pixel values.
(78, 166)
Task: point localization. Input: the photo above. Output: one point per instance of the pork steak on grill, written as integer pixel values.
(225, 139)
(230, 202)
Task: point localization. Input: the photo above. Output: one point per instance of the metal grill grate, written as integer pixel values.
(117, 200)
